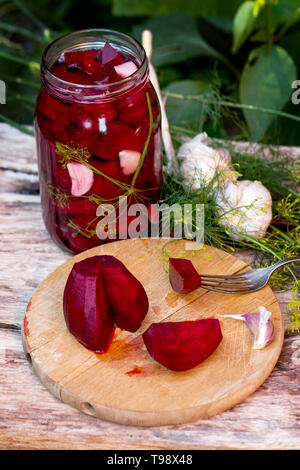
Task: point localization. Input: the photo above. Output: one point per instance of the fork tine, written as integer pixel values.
(228, 286)
(225, 276)
(229, 291)
(228, 281)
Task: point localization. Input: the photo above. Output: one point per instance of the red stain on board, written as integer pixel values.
(26, 328)
(109, 341)
(26, 331)
(156, 309)
(28, 306)
(123, 349)
(136, 370)
(127, 351)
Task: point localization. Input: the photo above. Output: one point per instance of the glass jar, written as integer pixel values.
(98, 145)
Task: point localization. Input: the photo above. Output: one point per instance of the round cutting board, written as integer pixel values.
(126, 385)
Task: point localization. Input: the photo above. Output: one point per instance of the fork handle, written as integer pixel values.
(283, 262)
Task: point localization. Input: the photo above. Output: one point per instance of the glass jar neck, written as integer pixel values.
(93, 39)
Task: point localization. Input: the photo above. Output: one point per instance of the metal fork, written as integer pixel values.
(244, 282)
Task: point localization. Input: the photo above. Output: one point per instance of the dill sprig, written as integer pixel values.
(293, 310)
(72, 152)
(282, 240)
(58, 196)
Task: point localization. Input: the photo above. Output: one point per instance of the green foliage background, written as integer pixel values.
(226, 66)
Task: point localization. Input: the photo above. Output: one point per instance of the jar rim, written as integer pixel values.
(113, 88)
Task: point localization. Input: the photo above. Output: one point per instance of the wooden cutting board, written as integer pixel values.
(126, 385)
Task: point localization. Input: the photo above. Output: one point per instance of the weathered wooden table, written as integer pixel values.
(31, 418)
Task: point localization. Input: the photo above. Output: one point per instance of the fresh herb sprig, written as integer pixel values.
(280, 175)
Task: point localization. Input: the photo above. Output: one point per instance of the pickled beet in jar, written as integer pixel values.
(97, 126)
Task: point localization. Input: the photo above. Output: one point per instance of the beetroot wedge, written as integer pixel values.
(183, 276)
(86, 309)
(100, 292)
(126, 295)
(182, 345)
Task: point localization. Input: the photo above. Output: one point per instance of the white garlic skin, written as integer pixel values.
(260, 325)
(201, 163)
(244, 207)
(265, 330)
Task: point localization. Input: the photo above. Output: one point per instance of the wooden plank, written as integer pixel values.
(31, 418)
(18, 151)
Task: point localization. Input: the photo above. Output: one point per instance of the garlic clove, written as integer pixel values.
(265, 329)
(82, 178)
(260, 325)
(126, 69)
(129, 160)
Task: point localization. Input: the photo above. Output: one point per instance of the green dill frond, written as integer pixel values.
(72, 152)
(57, 195)
(293, 310)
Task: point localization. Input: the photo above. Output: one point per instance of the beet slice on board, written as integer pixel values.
(183, 276)
(86, 309)
(126, 295)
(180, 346)
(100, 292)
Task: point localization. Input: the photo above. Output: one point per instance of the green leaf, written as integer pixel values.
(281, 13)
(180, 110)
(260, 36)
(175, 39)
(243, 25)
(266, 82)
(219, 13)
(289, 42)
(295, 17)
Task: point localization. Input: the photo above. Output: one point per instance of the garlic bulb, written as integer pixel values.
(244, 207)
(201, 163)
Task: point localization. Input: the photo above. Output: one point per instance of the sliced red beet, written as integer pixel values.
(85, 139)
(86, 60)
(72, 75)
(83, 121)
(53, 108)
(76, 206)
(182, 345)
(86, 309)
(61, 178)
(65, 234)
(125, 136)
(51, 130)
(126, 295)
(94, 300)
(111, 192)
(109, 56)
(80, 243)
(183, 276)
(133, 108)
(101, 110)
(105, 150)
(112, 169)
